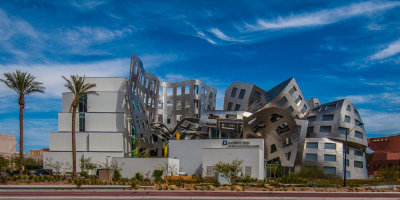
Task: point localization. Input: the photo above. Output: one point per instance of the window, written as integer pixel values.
(288, 154)
(168, 120)
(358, 123)
(237, 107)
(329, 170)
(82, 104)
(358, 152)
(358, 134)
(299, 129)
(178, 90)
(326, 129)
(187, 89)
(346, 150)
(273, 148)
(348, 108)
(347, 162)
(187, 103)
(348, 175)
(317, 104)
(229, 106)
(290, 109)
(233, 93)
(292, 90)
(327, 117)
(312, 145)
(311, 157)
(160, 104)
(330, 157)
(357, 114)
(196, 104)
(331, 106)
(310, 129)
(241, 94)
(330, 146)
(358, 164)
(211, 171)
(304, 109)
(282, 102)
(312, 118)
(160, 118)
(81, 122)
(178, 105)
(298, 100)
(342, 130)
(160, 91)
(257, 95)
(347, 119)
(287, 141)
(170, 91)
(170, 104)
(196, 89)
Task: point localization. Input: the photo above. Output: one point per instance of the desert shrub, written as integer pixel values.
(157, 174)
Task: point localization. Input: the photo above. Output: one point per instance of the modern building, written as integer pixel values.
(386, 153)
(239, 96)
(7, 145)
(37, 155)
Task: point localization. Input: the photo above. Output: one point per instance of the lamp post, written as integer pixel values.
(345, 153)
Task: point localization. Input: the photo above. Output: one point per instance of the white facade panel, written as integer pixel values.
(106, 102)
(65, 122)
(105, 122)
(106, 142)
(63, 142)
(131, 166)
(107, 83)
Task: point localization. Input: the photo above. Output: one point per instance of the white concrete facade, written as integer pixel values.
(145, 166)
(102, 134)
(196, 155)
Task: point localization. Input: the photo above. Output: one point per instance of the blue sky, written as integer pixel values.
(334, 49)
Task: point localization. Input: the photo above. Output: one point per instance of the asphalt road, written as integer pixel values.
(47, 194)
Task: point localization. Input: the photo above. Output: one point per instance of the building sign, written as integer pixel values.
(237, 144)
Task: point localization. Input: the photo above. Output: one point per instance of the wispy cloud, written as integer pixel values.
(87, 5)
(385, 99)
(391, 50)
(323, 17)
(220, 35)
(380, 122)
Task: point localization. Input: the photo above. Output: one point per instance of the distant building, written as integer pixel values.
(7, 144)
(386, 153)
(37, 155)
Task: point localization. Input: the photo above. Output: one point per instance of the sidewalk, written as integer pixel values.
(55, 187)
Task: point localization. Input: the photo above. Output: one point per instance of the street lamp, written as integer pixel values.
(345, 153)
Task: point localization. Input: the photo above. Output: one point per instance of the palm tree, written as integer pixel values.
(79, 88)
(24, 84)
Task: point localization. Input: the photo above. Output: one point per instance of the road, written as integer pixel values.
(123, 194)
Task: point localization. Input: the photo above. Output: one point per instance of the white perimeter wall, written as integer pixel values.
(131, 166)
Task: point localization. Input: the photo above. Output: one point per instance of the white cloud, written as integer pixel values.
(387, 99)
(219, 34)
(87, 5)
(379, 122)
(201, 35)
(391, 50)
(323, 17)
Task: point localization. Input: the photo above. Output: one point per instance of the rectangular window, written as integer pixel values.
(241, 94)
(348, 108)
(311, 157)
(160, 104)
(358, 164)
(82, 122)
(287, 141)
(82, 104)
(312, 145)
(273, 148)
(170, 91)
(168, 120)
(288, 154)
(187, 104)
(330, 146)
(342, 130)
(358, 152)
(290, 109)
(310, 129)
(229, 106)
(329, 170)
(359, 135)
(304, 109)
(211, 171)
(331, 106)
(347, 119)
(330, 157)
(327, 117)
(348, 175)
(237, 107)
(178, 90)
(170, 104)
(233, 93)
(187, 89)
(312, 118)
(325, 129)
(347, 162)
(357, 114)
(282, 102)
(178, 105)
(346, 150)
(298, 100)
(292, 90)
(358, 123)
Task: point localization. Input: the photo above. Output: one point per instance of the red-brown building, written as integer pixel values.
(387, 152)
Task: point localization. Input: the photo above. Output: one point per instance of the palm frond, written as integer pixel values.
(22, 82)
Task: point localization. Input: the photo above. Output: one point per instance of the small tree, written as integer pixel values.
(4, 164)
(388, 174)
(87, 165)
(157, 174)
(229, 171)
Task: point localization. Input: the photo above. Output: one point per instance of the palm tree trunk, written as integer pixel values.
(73, 142)
(21, 134)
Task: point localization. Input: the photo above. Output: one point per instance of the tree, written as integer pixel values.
(87, 165)
(24, 84)
(4, 164)
(79, 89)
(229, 171)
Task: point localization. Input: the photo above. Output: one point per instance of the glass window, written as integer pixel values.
(237, 107)
(346, 150)
(329, 170)
(287, 141)
(233, 93)
(358, 123)
(358, 152)
(187, 89)
(327, 117)
(298, 100)
(170, 91)
(292, 90)
(282, 102)
(290, 109)
(229, 106)
(326, 129)
(342, 130)
(357, 114)
(358, 164)
(273, 148)
(310, 129)
(359, 135)
(330, 146)
(348, 108)
(82, 104)
(331, 106)
(187, 103)
(241, 94)
(170, 104)
(348, 175)
(288, 154)
(81, 122)
(304, 109)
(312, 118)
(312, 145)
(160, 104)
(347, 119)
(330, 157)
(178, 90)
(347, 162)
(178, 105)
(311, 157)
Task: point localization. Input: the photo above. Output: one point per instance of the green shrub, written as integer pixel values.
(117, 175)
(83, 174)
(157, 174)
(139, 176)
